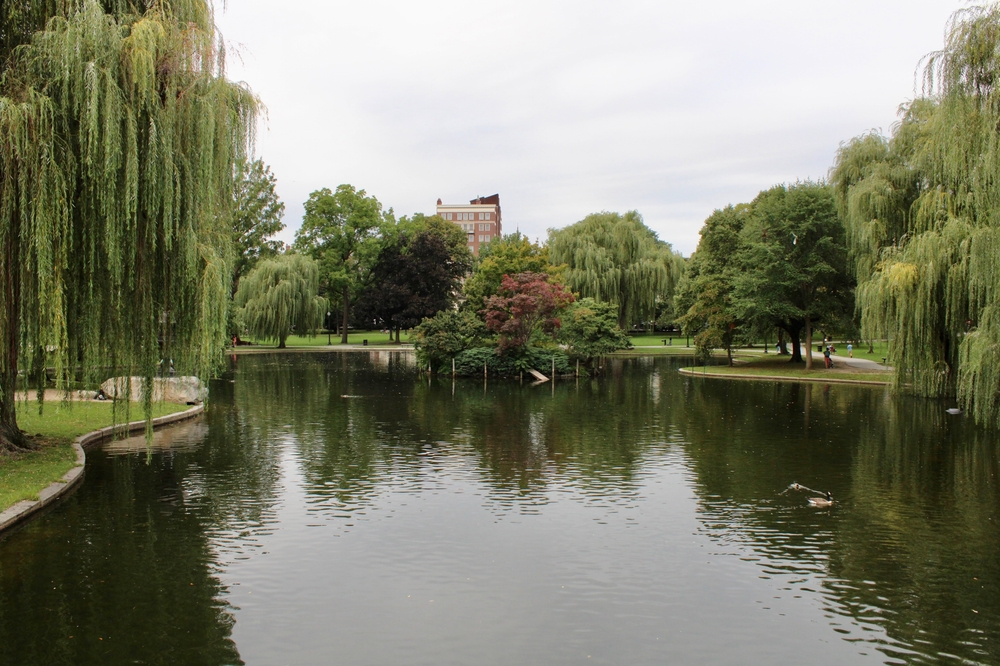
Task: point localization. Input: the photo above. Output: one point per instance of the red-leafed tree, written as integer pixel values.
(525, 304)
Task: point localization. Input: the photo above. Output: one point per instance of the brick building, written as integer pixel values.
(480, 219)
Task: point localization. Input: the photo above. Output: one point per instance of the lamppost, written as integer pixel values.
(328, 329)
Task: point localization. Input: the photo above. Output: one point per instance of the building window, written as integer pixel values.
(487, 216)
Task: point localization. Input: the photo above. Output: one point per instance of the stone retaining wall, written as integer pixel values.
(25, 509)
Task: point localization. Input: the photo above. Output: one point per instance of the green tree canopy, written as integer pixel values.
(590, 329)
(617, 259)
(779, 261)
(792, 264)
(342, 231)
(704, 295)
(280, 296)
(257, 213)
(118, 140)
(921, 210)
(508, 255)
(440, 338)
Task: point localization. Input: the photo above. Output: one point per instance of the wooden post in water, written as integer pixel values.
(453, 368)
(577, 367)
(484, 369)
(553, 367)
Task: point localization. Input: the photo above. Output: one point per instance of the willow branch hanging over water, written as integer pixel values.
(922, 210)
(118, 139)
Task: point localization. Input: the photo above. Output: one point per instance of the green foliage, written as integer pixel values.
(617, 259)
(257, 213)
(280, 296)
(342, 230)
(509, 255)
(118, 140)
(921, 213)
(470, 363)
(779, 261)
(704, 296)
(793, 270)
(444, 336)
(590, 329)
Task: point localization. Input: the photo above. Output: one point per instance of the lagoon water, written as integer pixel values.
(343, 509)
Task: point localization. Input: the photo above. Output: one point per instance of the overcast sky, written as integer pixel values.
(567, 108)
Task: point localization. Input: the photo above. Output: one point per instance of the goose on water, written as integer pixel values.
(821, 502)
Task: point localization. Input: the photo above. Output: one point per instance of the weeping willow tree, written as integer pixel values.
(922, 210)
(118, 139)
(617, 259)
(279, 296)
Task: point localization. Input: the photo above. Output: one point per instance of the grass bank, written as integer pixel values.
(320, 340)
(23, 475)
(778, 367)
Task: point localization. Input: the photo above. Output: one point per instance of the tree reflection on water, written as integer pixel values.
(904, 560)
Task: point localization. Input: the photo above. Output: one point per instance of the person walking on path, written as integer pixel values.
(826, 358)
(850, 350)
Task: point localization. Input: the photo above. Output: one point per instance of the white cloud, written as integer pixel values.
(567, 108)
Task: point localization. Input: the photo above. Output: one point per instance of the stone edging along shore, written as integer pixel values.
(769, 378)
(25, 509)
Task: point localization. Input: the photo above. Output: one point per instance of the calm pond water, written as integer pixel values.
(342, 509)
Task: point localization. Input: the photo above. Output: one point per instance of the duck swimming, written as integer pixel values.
(821, 502)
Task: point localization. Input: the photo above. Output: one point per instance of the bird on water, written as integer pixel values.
(821, 502)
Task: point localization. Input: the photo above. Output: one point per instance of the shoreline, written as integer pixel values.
(782, 378)
(24, 510)
(254, 349)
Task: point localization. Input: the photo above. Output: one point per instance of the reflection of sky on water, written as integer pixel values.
(411, 481)
(635, 519)
(435, 564)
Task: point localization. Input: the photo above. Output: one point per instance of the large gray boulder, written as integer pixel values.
(185, 390)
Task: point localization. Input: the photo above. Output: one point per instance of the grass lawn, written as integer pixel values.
(24, 474)
(353, 338)
(673, 350)
(656, 340)
(779, 367)
(861, 350)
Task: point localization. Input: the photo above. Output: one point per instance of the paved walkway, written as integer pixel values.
(861, 363)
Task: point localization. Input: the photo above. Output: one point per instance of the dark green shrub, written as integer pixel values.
(469, 363)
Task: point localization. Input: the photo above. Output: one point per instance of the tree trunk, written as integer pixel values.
(809, 344)
(782, 344)
(794, 335)
(11, 437)
(281, 341)
(347, 306)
